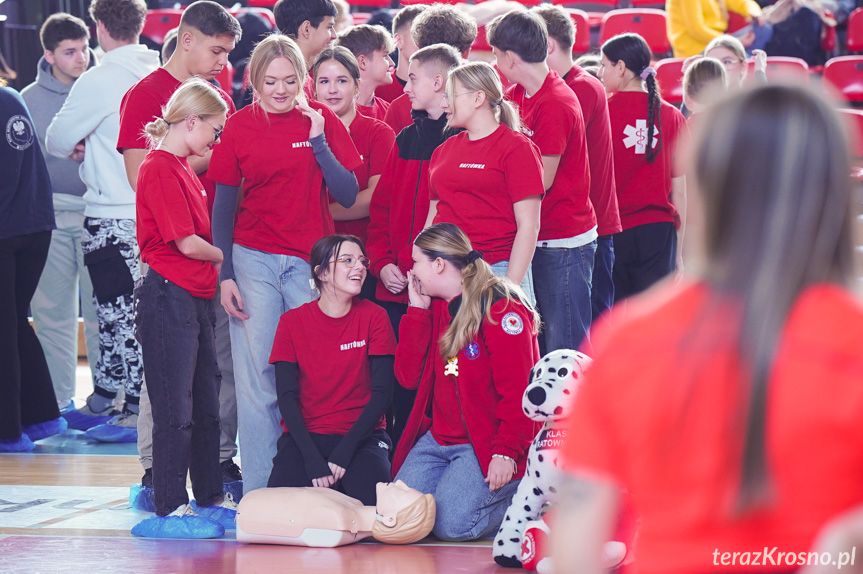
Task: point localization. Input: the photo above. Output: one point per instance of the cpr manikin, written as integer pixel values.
(325, 518)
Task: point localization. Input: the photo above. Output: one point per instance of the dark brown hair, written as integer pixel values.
(341, 55)
(210, 19)
(364, 40)
(124, 19)
(59, 27)
(442, 24)
(558, 24)
(406, 16)
(520, 32)
(327, 249)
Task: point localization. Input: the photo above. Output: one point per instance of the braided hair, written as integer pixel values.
(635, 53)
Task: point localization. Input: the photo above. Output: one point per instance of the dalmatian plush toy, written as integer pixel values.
(547, 399)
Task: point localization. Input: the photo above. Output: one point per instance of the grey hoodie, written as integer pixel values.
(44, 98)
(92, 113)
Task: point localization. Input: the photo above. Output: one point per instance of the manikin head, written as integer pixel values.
(405, 515)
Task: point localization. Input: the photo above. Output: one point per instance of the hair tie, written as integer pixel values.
(647, 72)
(498, 102)
(473, 255)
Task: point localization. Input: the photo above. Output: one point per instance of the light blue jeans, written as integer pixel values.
(466, 510)
(500, 269)
(270, 285)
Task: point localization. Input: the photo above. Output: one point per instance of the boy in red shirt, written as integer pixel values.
(401, 30)
(312, 25)
(371, 46)
(563, 261)
(594, 107)
(206, 35)
(439, 24)
(400, 204)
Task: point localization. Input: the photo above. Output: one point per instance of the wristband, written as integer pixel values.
(510, 459)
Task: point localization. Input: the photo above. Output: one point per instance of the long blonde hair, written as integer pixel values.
(481, 77)
(272, 47)
(195, 97)
(481, 287)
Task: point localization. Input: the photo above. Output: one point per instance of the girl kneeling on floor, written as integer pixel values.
(467, 343)
(334, 379)
(175, 318)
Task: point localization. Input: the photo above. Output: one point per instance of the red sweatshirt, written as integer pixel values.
(493, 372)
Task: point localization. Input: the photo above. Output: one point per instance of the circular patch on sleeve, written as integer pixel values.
(19, 132)
(512, 324)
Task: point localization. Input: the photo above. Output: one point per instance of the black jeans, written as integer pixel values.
(25, 382)
(177, 335)
(643, 255)
(369, 466)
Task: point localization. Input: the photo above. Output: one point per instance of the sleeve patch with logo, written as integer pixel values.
(512, 324)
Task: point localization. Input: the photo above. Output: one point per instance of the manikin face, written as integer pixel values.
(69, 60)
(335, 87)
(207, 55)
(392, 497)
(204, 133)
(346, 271)
(281, 85)
(421, 87)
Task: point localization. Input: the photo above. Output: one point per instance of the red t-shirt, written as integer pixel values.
(373, 140)
(378, 109)
(333, 359)
(398, 116)
(553, 120)
(285, 207)
(594, 107)
(171, 204)
(390, 92)
(478, 182)
(659, 414)
(309, 86)
(143, 103)
(644, 189)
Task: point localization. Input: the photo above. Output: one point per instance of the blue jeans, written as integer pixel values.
(561, 279)
(466, 510)
(177, 335)
(270, 285)
(602, 286)
(500, 268)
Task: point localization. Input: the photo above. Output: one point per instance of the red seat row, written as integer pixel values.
(160, 21)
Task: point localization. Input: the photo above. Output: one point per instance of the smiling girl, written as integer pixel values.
(334, 375)
(282, 151)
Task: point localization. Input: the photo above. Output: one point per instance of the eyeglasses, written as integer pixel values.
(731, 61)
(454, 96)
(352, 261)
(217, 131)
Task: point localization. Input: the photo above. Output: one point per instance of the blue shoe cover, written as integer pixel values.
(20, 444)
(187, 526)
(142, 498)
(68, 408)
(235, 489)
(112, 433)
(80, 421)
(224, 516)
(39, 431)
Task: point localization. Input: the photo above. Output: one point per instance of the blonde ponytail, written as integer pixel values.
(481, 287)
(194, 97)
(482, 77)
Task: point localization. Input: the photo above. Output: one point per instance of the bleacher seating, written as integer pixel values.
(845, 73)
(669, 76)
(855, 31)
(159, 22)
(582, 31)
(649, 23)
(779, 67)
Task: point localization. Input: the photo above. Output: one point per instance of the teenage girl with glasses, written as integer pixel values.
(334, 379)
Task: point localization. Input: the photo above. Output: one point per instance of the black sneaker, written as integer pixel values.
(230, 471)
(147, 479)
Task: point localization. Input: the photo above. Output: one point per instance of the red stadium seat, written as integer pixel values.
(669, 76)
(262, 3)
(582, 31)
(161, 21)
(524, 2)
(779, 67)
(828, 35)
(589, 4)
(845, 73)
(480, 44)
(360, 17)
(854, 118)
(855, 31)
(408, 2)
(649, 24)
(226, 78)
(735, 22)
(376, 3)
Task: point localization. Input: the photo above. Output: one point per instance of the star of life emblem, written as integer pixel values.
(637, 136)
